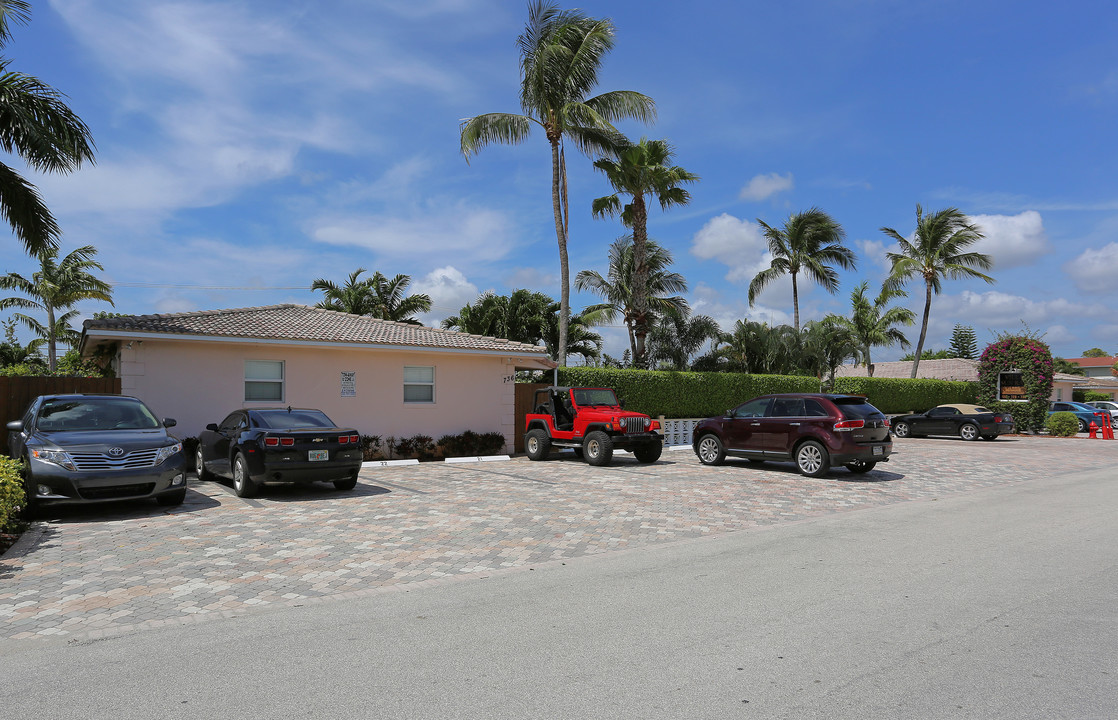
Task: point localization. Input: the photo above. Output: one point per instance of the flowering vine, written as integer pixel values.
(1031, 358)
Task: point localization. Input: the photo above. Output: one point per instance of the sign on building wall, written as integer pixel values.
(349, 383)
(1011, 386)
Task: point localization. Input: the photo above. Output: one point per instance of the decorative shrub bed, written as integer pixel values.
(424, 447)
(1062, 424)
(11, 494)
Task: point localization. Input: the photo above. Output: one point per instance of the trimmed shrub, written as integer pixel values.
(471, 444)
(371, 447)
(1062, 424)
(683, 394)
(1092, 396)
(11, 493)
(902, 395)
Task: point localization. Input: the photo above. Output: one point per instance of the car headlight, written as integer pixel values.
(58, 457)
(166, 452)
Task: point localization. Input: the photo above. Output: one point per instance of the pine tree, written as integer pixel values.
(964, 344)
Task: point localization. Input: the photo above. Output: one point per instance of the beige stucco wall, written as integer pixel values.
(201, 382)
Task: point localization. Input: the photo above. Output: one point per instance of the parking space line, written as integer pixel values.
(490, 472)
(400, 487)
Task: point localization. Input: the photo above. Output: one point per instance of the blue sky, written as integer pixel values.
(246, 148)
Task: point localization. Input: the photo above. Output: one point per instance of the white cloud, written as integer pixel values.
(1095, 269)
(874, 251)
(1011, 240)
(1059, 334)
(765, 186)
(739, 245)
(449, 291)
(1002, 311)
(476, 233)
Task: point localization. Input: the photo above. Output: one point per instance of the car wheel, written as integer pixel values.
(347, 484)
(648, 452)
(969, 431)
(537, 444)
(242, 483)
(711, 451)
(171, 499)
(812, 459)
(901, 430)
(861, 466)
(199, 466)
(597, 448)
(1082, 425)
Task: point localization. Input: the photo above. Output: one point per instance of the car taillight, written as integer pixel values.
(355, 439)
(271, 441)
(287, 441)
(343, 439)
(848, 425)
(887, 422)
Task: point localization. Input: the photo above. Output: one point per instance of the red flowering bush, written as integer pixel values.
(1028, 356)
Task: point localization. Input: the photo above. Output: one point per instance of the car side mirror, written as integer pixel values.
(730, 413)
(170, 422)
(15, 426)
(212, 427)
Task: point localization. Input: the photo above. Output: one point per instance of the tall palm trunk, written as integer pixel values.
(795, 303)
(923, 327)
(869, 363)
(557, 183)
(52, 344)
(640, 279)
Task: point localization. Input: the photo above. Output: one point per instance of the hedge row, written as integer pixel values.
(697, 394)
(11, 493)
(903, 395)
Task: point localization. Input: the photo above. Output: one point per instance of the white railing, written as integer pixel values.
(678, 431)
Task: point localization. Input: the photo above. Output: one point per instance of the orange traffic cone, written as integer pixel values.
(1092, 427)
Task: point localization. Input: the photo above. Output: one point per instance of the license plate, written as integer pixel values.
(878, 449)
(318, 455)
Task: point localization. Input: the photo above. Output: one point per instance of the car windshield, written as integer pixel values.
(595, 396)
(95, 413)
(288, 419)
(855, 408)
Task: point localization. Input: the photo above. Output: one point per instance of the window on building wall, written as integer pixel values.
(263, 380)
(419, 384)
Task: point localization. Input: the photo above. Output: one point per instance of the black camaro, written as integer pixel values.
(260, 445)
(969, 422)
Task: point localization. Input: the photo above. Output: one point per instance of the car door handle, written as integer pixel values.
(793, 423)
(755, 424)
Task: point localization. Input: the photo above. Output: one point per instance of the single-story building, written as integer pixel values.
(960, 369)
(381, 377)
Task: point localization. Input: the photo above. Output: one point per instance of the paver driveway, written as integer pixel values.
(91, 572)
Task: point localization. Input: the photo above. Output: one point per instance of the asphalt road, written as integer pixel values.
(997, 603)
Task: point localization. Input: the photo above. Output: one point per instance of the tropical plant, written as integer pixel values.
(825, 345)
(1025, 356)
(964, 344)
(56, 287)
(521, 316)
(581, 340)
(641, 172)
(677, 337)
(1095, 353)
(12, 352)
(756, 347)
(937, 251)
(807, 243)
(928, 355)
(376, 296)
(37, 125)
(616, 289)
(874, 324)
(1061, 365)
(561, 53)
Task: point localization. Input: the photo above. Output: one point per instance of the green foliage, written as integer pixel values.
(69, 365)
(1033, 359)
(11, 493)
(929, 355)
(964, 344)
(902, 395)
(1067, 367)
(683, 394)
(1092, 396)
(1096, 352)
(471, 444)
(1062, 424)
(424, 448)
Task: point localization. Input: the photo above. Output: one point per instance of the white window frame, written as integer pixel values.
(430, 384)
(282, 381)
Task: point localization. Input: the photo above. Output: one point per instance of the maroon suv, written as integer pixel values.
(817, 431)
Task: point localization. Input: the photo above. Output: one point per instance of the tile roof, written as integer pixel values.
(951, 369)
(1093, 361)
(302, 323)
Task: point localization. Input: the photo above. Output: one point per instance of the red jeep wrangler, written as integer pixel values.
(592, 423)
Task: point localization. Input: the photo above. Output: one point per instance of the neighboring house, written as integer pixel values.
(956, 369)
(381, 377)
(1096, 367)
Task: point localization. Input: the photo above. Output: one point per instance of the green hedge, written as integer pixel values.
(903, 395)
(683, 394)
(11, 492)
(1062, 424)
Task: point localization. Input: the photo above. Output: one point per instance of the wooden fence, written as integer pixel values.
(16, 393)
(525, 392)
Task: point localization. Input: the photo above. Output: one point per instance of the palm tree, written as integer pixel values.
(376, 297)
(35, 124)
(936, 252)
(392, 303)
(561, 52)
(641, 171)
(874, 323)
(521, 316)
(57, 286)
(825, 345)
(581, 340)
(807, 243)
(755, 347)
(617, 287)
(677, 337)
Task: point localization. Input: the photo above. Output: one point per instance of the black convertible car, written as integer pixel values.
(969, 422)
(260, 445)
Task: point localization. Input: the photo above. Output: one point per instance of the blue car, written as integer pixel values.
(1085, 414)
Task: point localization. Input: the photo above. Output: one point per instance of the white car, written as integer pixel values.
(1109, 406)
